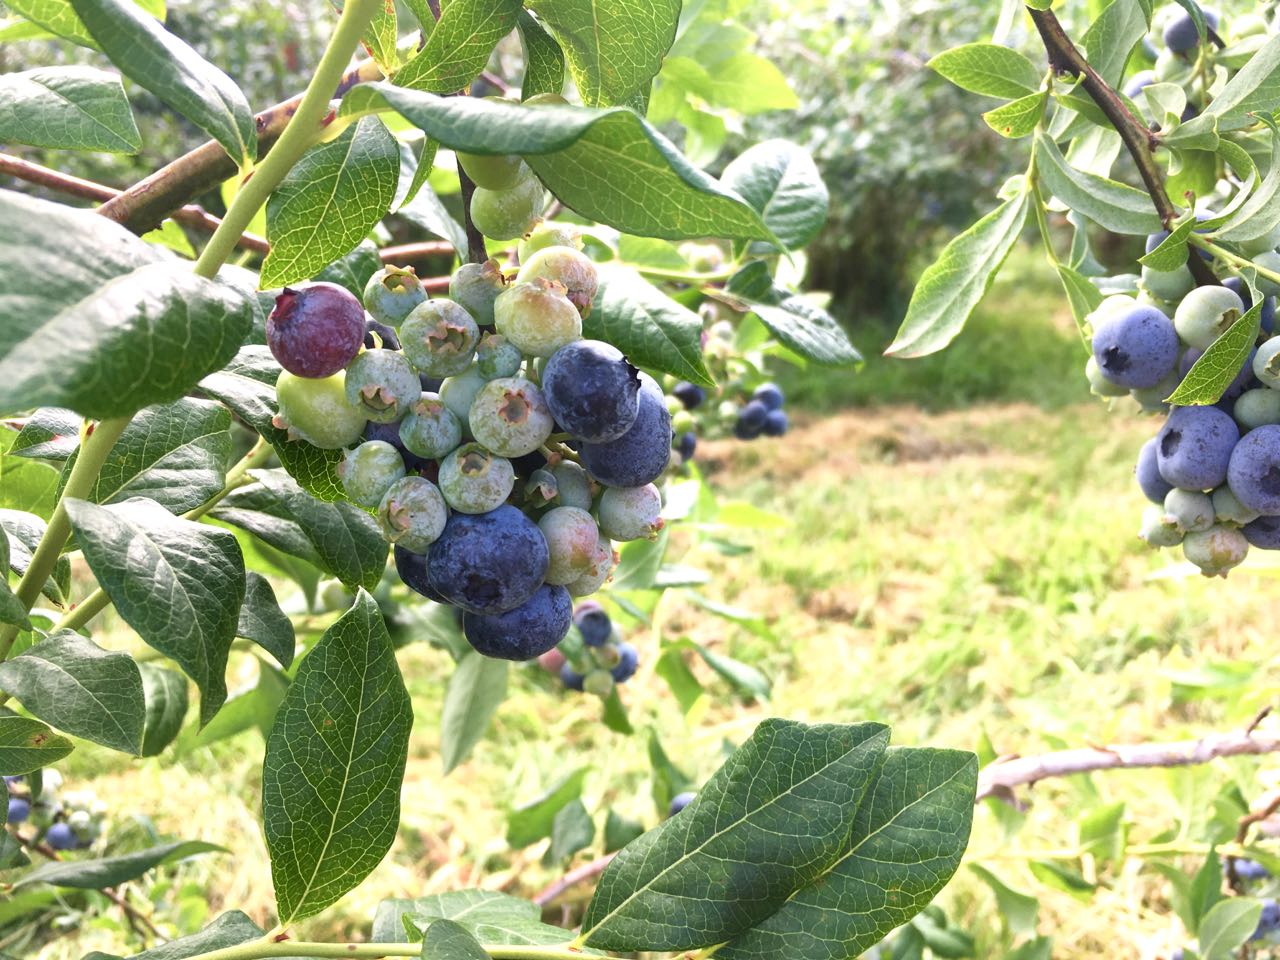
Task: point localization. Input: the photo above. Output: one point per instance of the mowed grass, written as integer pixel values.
(955, 574)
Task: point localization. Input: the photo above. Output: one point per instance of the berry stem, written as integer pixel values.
(299, 134)
(1225, 255)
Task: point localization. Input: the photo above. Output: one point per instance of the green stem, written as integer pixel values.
(678, 276)
(258, 949)
(84, 611)
(84, 473)
(301, 133)
(1228, 257)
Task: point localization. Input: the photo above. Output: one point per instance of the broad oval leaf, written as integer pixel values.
(447, 940)
(73, 684)
(179, 584)
(1260, 213)
(27, 745)
(263, 622)
(490, 917)
(543, 58)
(67, 108)
(381, 36)
(335, 760)
(112, 871)
(808, 330)
(156, 60)
(166, 697)
(906, 843)
(988, 69)
(330, 201)
(229, 930)
(145, 337)
(1112, 36)
(608, 165)
(782, 182)
(476, 690)
(614, 49)
(533, 821)
(50, 433)
(58, 17)
(460, 45)
(767, 823)
(952, 285)
(1019, 118)
(1116, 206)
(1254, 89)
(1227, 927)
(1213, 372)
(653, 330)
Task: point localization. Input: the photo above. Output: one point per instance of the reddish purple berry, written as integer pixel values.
(316, 329)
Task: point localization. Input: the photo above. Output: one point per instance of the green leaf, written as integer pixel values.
(808, 330)
(1260, 213)
(340, 538)
(743, 677)
(421, 172)
(680, 679)
(57, 17)
(668, 779)
(27, 745)
(1020, 910)
(330, 201)
(179, 584)
(158, 61)
(640, 563)
(12, 610)
(1112, 36)
(1118, 207)
(571, 831)
(1061, 878)
(428, 211)
(354, 269)
(1227, 927)
(905, 845)
(380, 36)
(476, 689)
(23, 531)
(253, 708)
(1210, 376)
(654, 331)
(247, 386)
(229, 930)
(614, 716)
(11, 853)
(781, 181)
(543, 59)
(175, 454)
(533, 821)
(988, 69)
(608, 165)
(262, 621)
(335, 761)
(1082, 295)
(489, 916)
(769, 822)
(1172, 250)
(27, 485)
(50, 433)
(113, 871)
(1019, 118)
(619, 831)
(72, 684)
(460, 45)
(67, 108)
(1204, 891)
(146, 337)
(614, 49)
(952, 285)
(446, 940)
(166, 698)
(1254, 89)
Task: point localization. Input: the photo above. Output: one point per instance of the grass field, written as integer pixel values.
(959, 574)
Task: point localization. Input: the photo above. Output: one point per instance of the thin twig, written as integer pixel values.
(411, 252)
(588, 871)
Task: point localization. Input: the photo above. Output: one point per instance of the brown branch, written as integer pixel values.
(150, 200)
(1242, 835)
(476, 252)
(587, 871)
(1138, 139)
(192, 215)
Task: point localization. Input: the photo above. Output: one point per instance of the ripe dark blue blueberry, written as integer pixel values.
(1181, 35)
(628, 662)
(686, 445)
(1269, 920)
(1137, 83)
(316, 329)
(386, 336)
(680, 801)
(525, 632)
(641, 454)
(412, 570)
(19, 809)
(61, 837)
(1154, 487)
(488, 563)
(753, 414)
(592, 390)
(1251, 870)
(776, 423)
(690, 394)
(770, 394)
(1263, 533)
(1194, 446)
(593, 623)
(1254, 471)
(571, 678)
(1137, 347)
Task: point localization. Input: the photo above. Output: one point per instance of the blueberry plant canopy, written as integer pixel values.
(447, 458)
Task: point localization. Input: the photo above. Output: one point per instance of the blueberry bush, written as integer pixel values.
(224, 404)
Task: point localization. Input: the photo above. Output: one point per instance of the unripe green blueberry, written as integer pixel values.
(391, 293)
(572, 539)
(508, 214)
(458, 393)
(598, 683)
(1152, 399)
(1216, 550)
(383, 384)
(439, 338)
(573, 486)
(493, 171)
(702, 257)
(368, 471)
(317, 411)
(1158, 530)
(630, 513)
(1116, 303)
(1266, 363)
(727, 411)
(430, 429)
(1189, 510)
(1205, 314)
(510, 417)
(1257, 408)
(412, 514)
(473, 480)
(1268, 241)
(333, 596)
(1170, 285)
(1171, 68)
(545, 100)
(1248, 25)
(1269, 260)
(498, 357)
(1099, 385)
(476, 286)
(541, 489)
(568, 267)
(537, 317)
(682, 421)
(1229, 510)
(601, 567)
(548, 233)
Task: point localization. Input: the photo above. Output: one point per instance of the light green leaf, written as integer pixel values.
(781, 181)
(427, 211)
(23, 531)
(50, 433)
(1210, 376)
(74, 685)
(158, 61)
(335, 761)
(952, 285)
(27, 745)
(113, 871)
(1172, 251)
(263, 622)
(460, 45)
(330, 201)
(808, 330)
(1112, 36)
(1059, 877)
(571, 831)
(1254, 89)
(446, 940)
(59, 18)
(533, 821)
(1082, 296)
(1116, 206)
(1019, 910)
(742, 676)
(489, 916)
(543, 59)
(1019, 118)
(988, 69)
(1260, 213)
(476, 690)
(11, 854)
(68, 108)
(229, 930)
(608, 165)
(1227, 927)
(179, 584)
(769, 822)
(166, 699)
(380, 36)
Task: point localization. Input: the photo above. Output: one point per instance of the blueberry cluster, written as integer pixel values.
(762, 415)
(1175, 62)
(605, 659)
(69, 820)
(502, 452)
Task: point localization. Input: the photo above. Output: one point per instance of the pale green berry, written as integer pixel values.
(549, 234)
(1158, 530)
(572, 540)
(598, 683)
(412, 514)
(317, 411)
(1169, 285)
(474, 480)
(476, 286)
(1266, 362)
(459, 392)
(1230, 510)
(573, 486)
(1190, 510)
(1099, 385)
(630, 513)
(1216, 550)
(1268, 241)
(601, 567)
(391, 293)
(1269, 260)
(508, 214)
(537, 317)
(498, 357)
(439, 337)
(430, 428)
(1152, 399)
(570, 268)
(383, 384)
(1205, 314)
(368, 471)
(1257, 408)
(510, 416)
